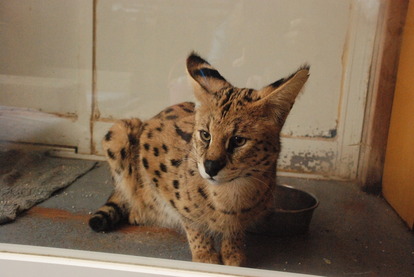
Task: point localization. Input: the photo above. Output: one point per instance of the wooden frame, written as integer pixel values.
(27, 260)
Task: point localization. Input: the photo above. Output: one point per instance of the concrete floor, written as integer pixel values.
(351, 233)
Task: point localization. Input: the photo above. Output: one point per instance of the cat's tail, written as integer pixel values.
(107, 217)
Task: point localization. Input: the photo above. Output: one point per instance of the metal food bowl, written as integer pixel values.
(292, 214)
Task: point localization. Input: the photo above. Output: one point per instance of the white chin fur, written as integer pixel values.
(202, 171)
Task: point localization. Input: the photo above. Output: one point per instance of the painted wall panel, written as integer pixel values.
(141, 49)
(46, 71)
(142, 46)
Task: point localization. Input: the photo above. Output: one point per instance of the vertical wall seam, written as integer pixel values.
(94, 108)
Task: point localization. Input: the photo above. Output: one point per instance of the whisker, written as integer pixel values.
(268, 187)
(260, 170)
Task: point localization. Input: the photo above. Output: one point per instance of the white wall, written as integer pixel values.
(140, 52)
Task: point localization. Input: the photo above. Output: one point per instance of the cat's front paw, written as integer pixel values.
(210, 257)
(233, 258)
(232, 250)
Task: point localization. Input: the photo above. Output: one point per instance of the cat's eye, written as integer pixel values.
(237, 141)
(205, 136)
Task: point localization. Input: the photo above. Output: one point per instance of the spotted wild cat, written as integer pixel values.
(208, 168)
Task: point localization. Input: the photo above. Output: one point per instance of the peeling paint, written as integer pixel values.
(332, 133)
(309, 162)
(324, 134)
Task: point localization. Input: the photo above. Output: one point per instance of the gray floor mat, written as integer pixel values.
(29, 178)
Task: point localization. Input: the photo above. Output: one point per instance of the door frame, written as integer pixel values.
(380, 95)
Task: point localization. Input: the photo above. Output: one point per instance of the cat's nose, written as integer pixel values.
(213, 167)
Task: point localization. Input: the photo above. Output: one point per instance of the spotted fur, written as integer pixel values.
(208, 169)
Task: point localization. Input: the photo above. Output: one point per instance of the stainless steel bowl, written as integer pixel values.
(292, 214)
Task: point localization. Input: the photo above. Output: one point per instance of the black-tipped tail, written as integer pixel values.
(107, 217)
(99, 222)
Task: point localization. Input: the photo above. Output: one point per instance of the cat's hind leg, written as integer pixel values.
(120, 146)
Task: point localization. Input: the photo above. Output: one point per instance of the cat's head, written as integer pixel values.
(236, 133)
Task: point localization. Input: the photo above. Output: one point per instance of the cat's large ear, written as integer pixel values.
(279, 96)
(206, 80)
